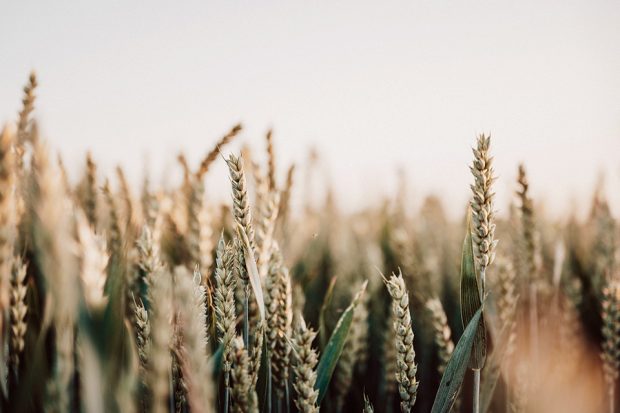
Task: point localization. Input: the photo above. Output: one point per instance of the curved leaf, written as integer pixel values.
(456, 368)
(326, 302)
(471, 298)
(333, 349)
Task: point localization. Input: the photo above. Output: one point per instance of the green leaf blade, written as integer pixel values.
(457, 366)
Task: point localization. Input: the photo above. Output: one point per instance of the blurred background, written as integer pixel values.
(375, 87)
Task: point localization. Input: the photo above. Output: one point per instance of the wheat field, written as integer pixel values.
(117, 298)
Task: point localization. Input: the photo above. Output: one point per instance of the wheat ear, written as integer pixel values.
(483, 214)
(18, 312)
(90, 191)
(240, 378)
(161, 334)
(7, 217)
(279, 316)
(405, 359)
(611, 337)
(304, 369)
(213, 154)
(191, 300)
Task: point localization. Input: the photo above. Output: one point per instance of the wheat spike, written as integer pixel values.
(115, 233)
(483, 214)
(199, 228)
(90, 191)
(18, 312)
(241, 382)
(213, 154)
(7, 215)
(279, 316)
(225, 285)
(161, 334)
(271, 157)
(405, 359)
(367, 405)
(190, 298)
(265, 231)
(442, 333)
(527, 227)
(93, 263)
(610, 354)
(25, 122)
(304, 369)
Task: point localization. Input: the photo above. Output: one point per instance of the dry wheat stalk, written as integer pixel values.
(24, 123)
(304, 369)
(271, 157)
(279, 316)
(89, 202)
(212, 155)
(405, 358)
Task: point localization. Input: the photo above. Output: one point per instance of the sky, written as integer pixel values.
(374, 86)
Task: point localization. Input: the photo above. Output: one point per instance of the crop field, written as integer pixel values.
(160, 298)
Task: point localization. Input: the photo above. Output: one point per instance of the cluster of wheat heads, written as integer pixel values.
(167, 300)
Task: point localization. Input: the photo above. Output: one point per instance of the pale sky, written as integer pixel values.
(373, 85)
